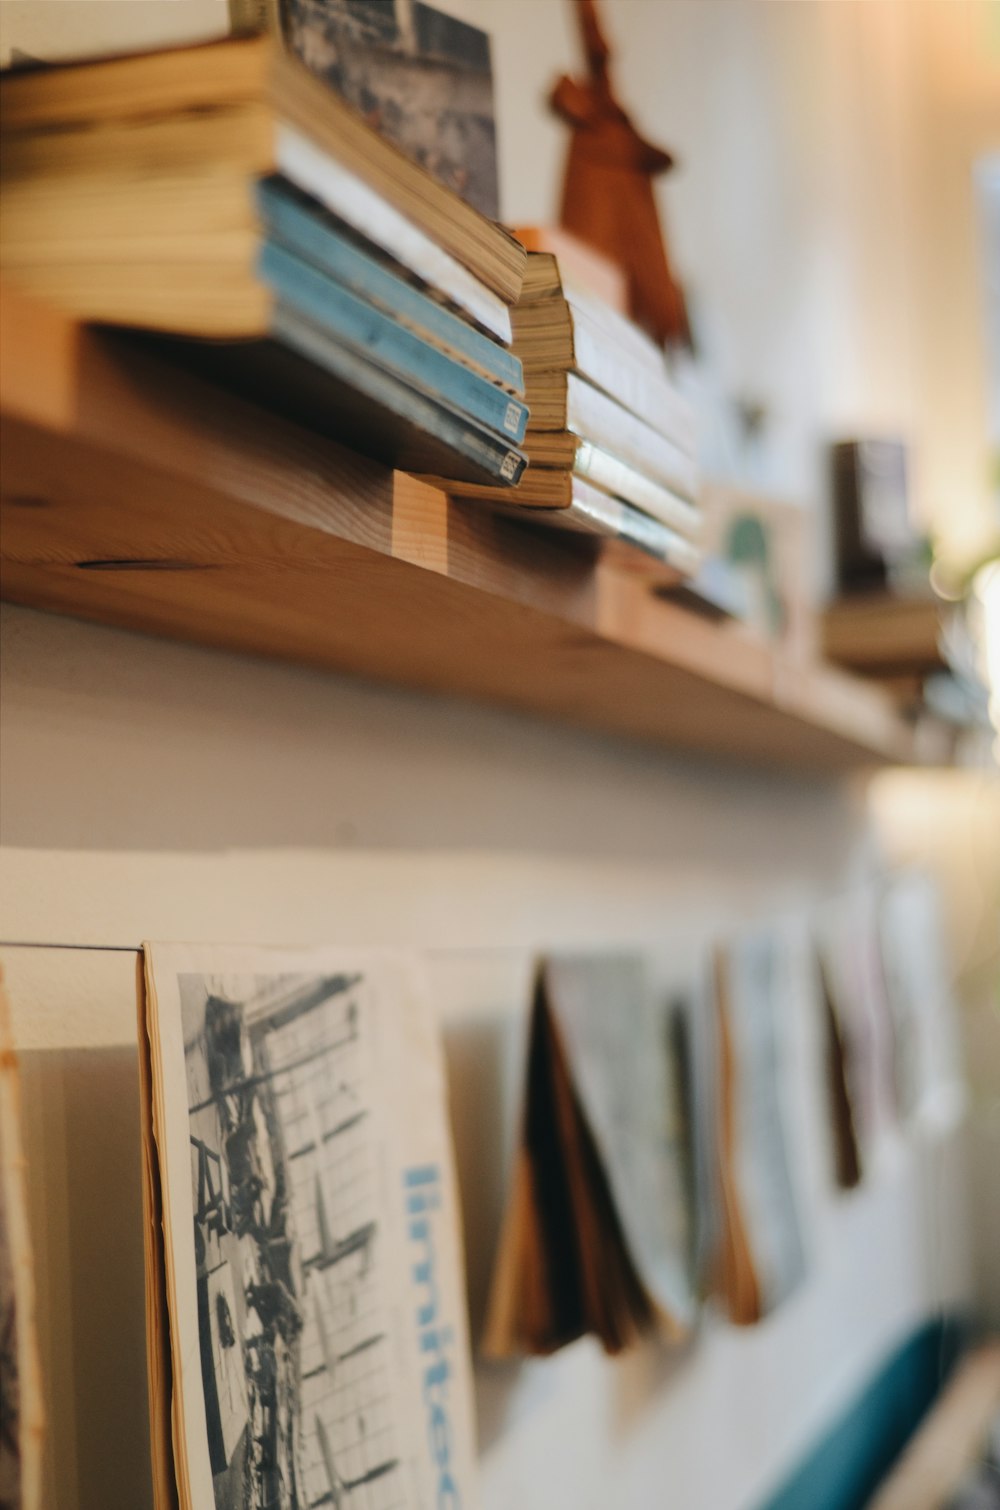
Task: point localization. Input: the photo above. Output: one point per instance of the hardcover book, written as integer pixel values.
(307, 1334)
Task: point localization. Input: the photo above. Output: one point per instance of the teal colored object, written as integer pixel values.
(845, 1468)
(312, 234)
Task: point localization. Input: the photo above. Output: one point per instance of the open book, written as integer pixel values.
(599, 1232)
(305, 1303)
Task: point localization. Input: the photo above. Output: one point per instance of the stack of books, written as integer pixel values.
(222, 192)
(611, 440)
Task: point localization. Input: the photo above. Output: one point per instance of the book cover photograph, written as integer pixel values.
(420, 77)
(315, 1306)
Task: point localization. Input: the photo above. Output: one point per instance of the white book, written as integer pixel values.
(589, 414)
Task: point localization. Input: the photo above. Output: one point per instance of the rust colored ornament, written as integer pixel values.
(608, 198)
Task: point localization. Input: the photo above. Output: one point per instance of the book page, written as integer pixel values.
(617, 1039)
(314, 1281)
(764, 1180)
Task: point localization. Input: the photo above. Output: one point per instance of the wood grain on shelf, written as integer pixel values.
(141, 498)
(948, 1442)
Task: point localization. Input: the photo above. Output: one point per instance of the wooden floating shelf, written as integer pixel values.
(140, 498)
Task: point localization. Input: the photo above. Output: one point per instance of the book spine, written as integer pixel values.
(594, 416)
(616, 477)
(631, 383)
(308, 234)
(388, 343)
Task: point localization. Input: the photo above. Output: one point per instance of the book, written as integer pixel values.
(365, 330)
(591, 415)
(552, 338)
(596, 513)
(421, 77)
(22, 1411)
(128, 189)
(912, 948)
(549, 487)
(342, 392)
(598, 1234)
(849, 944)
(302, 1230)
(714, 590)
(549, 280)
(588, 269)
(761, 1256)
(300, 224)
(873, 531)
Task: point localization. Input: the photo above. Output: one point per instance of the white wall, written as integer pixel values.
(154, 790)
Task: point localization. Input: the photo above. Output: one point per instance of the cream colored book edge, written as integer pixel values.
(15, 1234)
(157, 1313)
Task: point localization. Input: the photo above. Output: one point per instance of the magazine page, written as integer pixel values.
(312, 1252)
(618, 1043)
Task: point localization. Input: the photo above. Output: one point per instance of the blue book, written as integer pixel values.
(323, 385)
(363, 329)
(301, 226)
